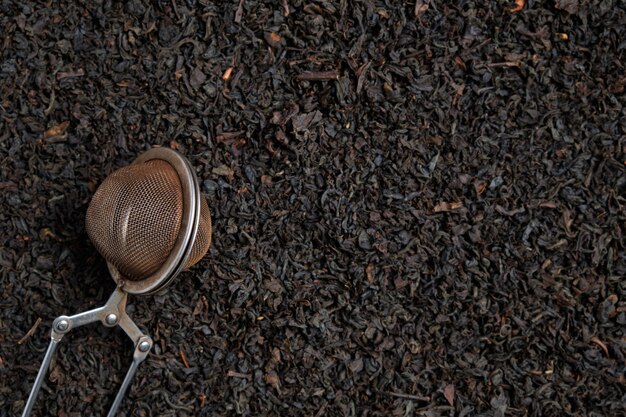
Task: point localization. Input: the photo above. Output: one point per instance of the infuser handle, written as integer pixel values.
(41, 374)
(113, 313)
(138, 357)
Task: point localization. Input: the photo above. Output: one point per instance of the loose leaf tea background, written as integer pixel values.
(418, 206)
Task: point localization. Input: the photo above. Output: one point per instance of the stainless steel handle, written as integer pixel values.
(113, 313)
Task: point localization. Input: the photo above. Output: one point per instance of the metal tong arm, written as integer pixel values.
(113, 313)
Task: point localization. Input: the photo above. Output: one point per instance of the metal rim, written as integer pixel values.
(188, 228)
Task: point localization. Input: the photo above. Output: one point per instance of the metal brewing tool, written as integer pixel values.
(149, 221)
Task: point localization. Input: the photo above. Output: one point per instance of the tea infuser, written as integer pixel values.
(149, 221)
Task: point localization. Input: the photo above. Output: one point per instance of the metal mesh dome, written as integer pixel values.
(135, 216)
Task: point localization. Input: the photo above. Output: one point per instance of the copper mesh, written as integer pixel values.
(135, 216)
